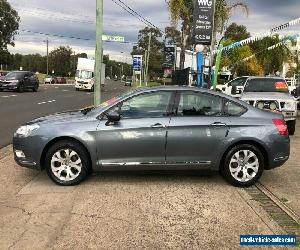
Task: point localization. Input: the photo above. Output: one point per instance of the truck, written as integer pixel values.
(85, 74)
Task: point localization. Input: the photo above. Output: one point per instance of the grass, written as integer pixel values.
(151, 84)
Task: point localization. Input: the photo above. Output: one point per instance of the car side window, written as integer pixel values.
(149, 105)
(233, 109)
(199, 104)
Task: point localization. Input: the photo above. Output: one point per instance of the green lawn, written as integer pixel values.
(151, 84)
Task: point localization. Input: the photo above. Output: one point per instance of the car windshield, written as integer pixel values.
(83, 74)
(266, 85)
(14, 75)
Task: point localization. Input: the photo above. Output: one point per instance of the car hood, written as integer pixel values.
(266, 96)
(67, 116)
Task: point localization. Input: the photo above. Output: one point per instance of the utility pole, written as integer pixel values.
(148, 56)
(98, 52)
(47, 42)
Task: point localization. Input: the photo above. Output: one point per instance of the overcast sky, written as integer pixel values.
(75, 18)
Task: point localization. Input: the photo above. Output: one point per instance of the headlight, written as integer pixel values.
(289, 106)
(26, 130)
(14, 81)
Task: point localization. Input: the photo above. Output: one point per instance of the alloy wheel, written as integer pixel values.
(66, 164)
(244, 165)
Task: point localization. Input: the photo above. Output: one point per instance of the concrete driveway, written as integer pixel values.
(125, 211)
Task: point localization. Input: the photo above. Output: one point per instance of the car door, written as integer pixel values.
(139, 138)
(197, 130)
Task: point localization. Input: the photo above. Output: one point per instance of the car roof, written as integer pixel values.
(185, 88)
(266, 77)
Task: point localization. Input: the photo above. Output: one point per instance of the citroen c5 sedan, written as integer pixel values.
(161, 128)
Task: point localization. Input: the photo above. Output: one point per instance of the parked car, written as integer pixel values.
(60, 80)
(49, 80)
(20, 81)
(128, 81)
(158, 128)
(272, 94)
(234, 87)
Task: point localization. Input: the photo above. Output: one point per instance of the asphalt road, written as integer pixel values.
(19, 108)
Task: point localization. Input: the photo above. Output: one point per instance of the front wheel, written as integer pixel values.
(67, 163)
(291, 127)
(35, 88)
(21, 88)
(243, 166)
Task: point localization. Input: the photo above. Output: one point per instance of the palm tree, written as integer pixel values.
(183, 10)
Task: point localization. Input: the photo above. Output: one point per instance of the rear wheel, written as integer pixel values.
(67, 163)
(243, 166)
(291, 127)
(77, 89)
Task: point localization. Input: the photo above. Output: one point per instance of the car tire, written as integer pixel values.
(291, 127)
(235, 168)
(65, 152)
(77, 89)
(35, 88)
(21, 88)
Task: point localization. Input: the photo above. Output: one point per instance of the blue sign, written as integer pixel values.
(137, 63)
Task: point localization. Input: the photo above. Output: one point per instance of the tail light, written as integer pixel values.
(281, 126)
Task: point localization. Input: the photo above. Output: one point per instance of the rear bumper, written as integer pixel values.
(279, 152)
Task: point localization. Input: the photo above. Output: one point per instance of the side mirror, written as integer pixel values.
(113, 117)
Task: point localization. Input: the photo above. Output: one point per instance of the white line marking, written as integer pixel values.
(65, 90)
(40, 103)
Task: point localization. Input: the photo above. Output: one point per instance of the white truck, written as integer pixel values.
(85, 74)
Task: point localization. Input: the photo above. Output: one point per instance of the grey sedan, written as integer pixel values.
(162, 128)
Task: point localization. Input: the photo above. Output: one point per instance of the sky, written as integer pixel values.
(76, 18)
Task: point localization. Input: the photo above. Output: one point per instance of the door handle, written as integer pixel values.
(216, 124)
(157, 125)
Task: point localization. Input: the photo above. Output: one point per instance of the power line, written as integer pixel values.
(70, 37)
(132, 12)
(140, 15)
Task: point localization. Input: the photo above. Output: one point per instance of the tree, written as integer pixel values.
(183, 10)
(60, 60)
(172, 36)
(271, 60)
(236, 32)
(9, 24)
(156, 49)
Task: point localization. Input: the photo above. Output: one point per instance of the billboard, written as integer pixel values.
(137, 62)
(203, 21)
(169, 56)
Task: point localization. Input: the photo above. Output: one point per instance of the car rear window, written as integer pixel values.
(266, 85)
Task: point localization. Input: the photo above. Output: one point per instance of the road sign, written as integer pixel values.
(108, 38)
(203, 21)
(137, 62)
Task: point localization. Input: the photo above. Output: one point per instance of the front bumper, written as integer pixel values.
(27, 152)
(8, 87)
(83, 86)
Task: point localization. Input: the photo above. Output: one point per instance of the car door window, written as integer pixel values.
(237, 82)
(233, 109)
(199, 104)
(148, 105)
